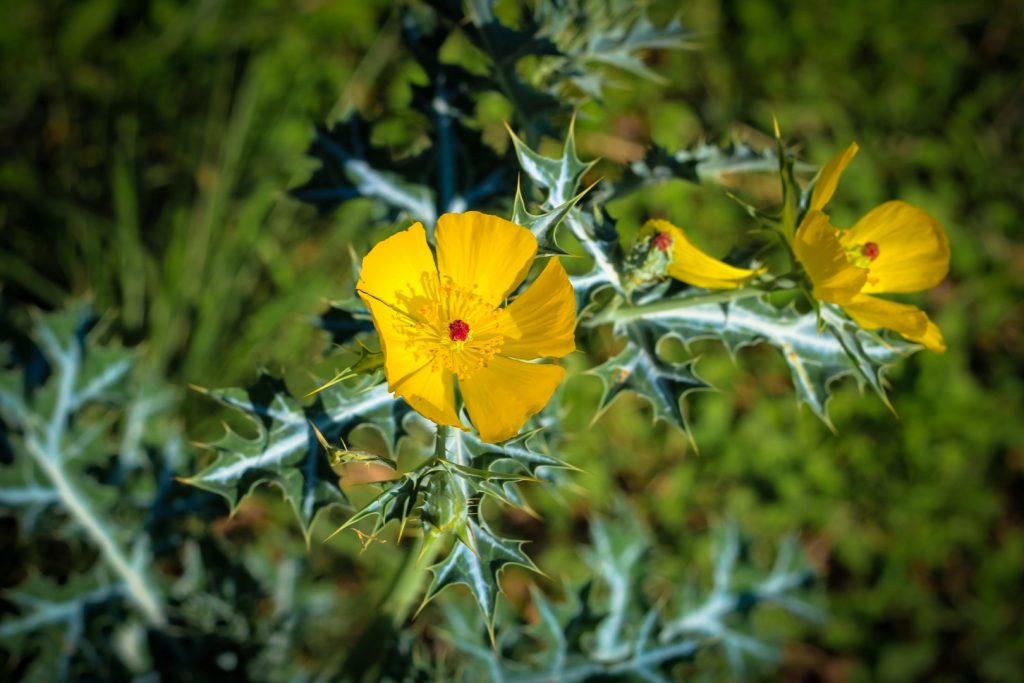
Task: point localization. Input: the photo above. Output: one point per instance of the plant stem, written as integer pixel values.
(408, 583)
(626, 313)
(441, 442)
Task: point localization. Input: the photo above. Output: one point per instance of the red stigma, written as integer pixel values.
(662, 241)
(870, 251)
(458, 330)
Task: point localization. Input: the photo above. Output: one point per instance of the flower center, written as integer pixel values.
(870, 251)
(455, 329)
(458, 330)
(662, 241)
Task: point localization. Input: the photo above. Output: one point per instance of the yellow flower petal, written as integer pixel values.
(872, 313)
(542, 320)
(484, 252)
(911, 246)
(816, 246)
(503, 396)
(828, 177)
(430, 391)
(693, 266)
(932, 339)
(400, 271)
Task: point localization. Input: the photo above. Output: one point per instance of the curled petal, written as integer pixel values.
(872, 313)
(911, 246)
(816, 246)
(503, 396)
(485, 253)
(542, 320)
(693, 266)
(828, 177)
(932, 338)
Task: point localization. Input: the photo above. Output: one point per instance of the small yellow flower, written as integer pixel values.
(441, 321)
(686, 261)
(894, 248)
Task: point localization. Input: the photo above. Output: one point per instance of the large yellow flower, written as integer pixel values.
(441, 321)
(669, 251)
(894, 248)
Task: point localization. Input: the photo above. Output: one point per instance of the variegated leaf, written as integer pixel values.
(817, 355)
(640, 369)
(477, 564)
(59, 424)
(351, 168)
(286, 448)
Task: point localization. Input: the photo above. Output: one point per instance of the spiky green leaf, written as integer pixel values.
(592, 35)
(560, 176)
(703, 163)
(61, 426)
(816, 355)
(477, 563)
(285, 448)
(543, 225)
(640, 369)
(350, 167)
(606, 631)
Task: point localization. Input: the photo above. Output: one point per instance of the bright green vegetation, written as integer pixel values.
(146, 155)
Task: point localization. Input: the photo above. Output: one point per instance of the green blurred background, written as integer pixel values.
(145, 154)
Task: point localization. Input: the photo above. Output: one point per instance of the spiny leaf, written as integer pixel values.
(640, 369)
(616, 551)
(591, 35)
(351, 167)
(286, 448)
(464, 170)
(52, 622)
(600, 239)
(701, 164)
(496, 470)
(506, 47)
(395, 502)
(561, 176)
(477, 564)
(543, 225)
(55, 439)
(482, 455)
(24, 489)
(44, 604)
(605, 631)
(816, 357)
(455, 172)
(472, 469)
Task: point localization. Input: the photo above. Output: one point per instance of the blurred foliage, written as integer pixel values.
(603, 632)
(146, 151)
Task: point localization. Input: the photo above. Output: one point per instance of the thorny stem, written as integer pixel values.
(408, 583)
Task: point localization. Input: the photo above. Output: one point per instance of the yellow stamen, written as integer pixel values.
(456, 330)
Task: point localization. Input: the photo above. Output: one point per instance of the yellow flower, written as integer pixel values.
(688, 263)
(894, 248)
(441, 321)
